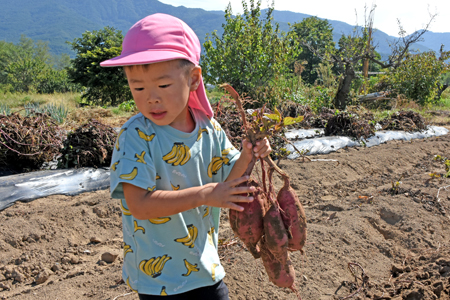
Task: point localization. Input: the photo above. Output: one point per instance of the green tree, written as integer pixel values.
(250, 55)
(27, 67)
(104, 85)
(23, 73)
(317, 34)
(418, 76)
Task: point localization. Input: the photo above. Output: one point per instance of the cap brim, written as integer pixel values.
(143, 58)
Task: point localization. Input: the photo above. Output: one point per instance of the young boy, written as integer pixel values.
(173, 167)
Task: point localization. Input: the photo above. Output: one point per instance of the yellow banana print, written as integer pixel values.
(159, 221)
(190, 268)
(225, 152)
(140, 157)
(213, 271)
(189, 240)
(151, 189)
(130, 176)
(142, 135)
(136, 227)
(215, 165)
(128, 283)
(114, 165)
(178, 155)
(200, 131)
(210, 236)
(157, 177)
(126, 249)
(163, 291)
(172, 155)
(125, 211)
(181, 153)
(118, 136)
(206, 211)
(175, 188)
(216, 125)
(154, 266)
(187, 155)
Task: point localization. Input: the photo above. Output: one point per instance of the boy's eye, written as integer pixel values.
(139, 89)
(163, 86)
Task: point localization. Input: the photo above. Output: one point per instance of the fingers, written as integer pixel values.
(239, 199)
(262, 148)
(237, 181)
(235, 207)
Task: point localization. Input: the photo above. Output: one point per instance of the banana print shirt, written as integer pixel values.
(177, 253)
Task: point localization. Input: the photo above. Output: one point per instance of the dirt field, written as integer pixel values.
(397, 235)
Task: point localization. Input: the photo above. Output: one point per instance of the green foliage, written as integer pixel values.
(5, 109)
(418, 75)
(28, 67)
(445, 78)
(249, 55)
(318, 34)
(128, 106)
(447, 168)
(56, 112)
(103, 85)
(315, 97)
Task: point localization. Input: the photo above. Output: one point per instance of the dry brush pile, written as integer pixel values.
(27, 142)
(89, 145)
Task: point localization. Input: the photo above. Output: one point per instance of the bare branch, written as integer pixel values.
(401, 46)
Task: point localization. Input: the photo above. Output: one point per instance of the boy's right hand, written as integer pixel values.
(228, 194)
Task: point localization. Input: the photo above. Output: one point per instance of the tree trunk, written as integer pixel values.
(340, 101)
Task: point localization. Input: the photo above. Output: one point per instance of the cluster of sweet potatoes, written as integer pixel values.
(273, 224)
(271, 228)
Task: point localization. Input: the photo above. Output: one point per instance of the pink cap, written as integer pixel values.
(161, 37)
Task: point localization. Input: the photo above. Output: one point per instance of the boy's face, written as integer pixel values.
(161, 92)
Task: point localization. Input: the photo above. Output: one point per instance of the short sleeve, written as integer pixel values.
(132, 160)
(229, 153)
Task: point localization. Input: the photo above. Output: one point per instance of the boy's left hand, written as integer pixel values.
(261, 150)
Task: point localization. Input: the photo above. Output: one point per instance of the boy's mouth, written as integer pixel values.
(158, 114)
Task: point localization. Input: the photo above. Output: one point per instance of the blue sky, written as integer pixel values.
(413, 14)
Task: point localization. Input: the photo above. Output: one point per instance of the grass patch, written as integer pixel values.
(18, 101)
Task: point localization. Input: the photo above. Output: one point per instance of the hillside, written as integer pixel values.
(59, 21)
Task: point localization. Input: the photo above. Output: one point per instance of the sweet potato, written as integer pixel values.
(293, 215)
(280, 274)
(248, 224)
(276, 239)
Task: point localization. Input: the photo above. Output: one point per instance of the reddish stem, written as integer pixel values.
(263, 176)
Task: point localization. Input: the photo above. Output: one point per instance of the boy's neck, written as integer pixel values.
(188, 124)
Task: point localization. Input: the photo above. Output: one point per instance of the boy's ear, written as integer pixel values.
(195, 78)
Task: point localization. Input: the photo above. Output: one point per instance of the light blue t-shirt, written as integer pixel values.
(171, 254)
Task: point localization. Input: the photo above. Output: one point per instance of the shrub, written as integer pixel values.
(417, 77)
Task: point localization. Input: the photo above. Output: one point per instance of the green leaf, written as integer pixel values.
(274, 117)
(289, 120)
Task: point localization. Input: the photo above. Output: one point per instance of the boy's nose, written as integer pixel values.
(153, 98)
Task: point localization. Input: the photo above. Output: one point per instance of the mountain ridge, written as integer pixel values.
(61, 21)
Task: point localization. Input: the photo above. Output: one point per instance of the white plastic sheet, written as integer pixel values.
(30, 186)
(324, 145)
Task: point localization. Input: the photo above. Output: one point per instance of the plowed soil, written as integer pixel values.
(378, 228)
